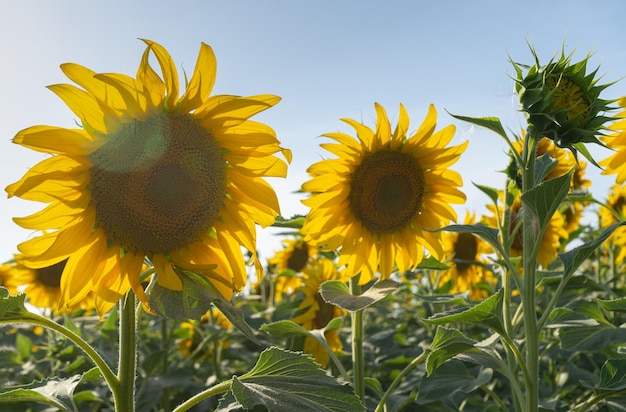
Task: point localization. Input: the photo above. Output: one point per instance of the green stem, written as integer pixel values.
(421, 358)
(205, 394)
(127, 368)
(358, 361)
(105, 370)
(530, 238)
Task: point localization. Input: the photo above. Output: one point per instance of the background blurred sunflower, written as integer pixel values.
(550, 242)
(178, 180)
(288, 263)
(314, 312)
(42, 286)
(615, 212)
(616, 163)
(377, 202)
(468, 256)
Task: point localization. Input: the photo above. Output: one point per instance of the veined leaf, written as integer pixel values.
(446, 344)
(337, 293)
(493, 194)
(12, 306)
(55, 392)
(490, 122)
(284, 381)
(612, 376)
(546, 197)
(488, 234)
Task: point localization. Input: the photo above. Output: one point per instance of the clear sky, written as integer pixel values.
(326, 59)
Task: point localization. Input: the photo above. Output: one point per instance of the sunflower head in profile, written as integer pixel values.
(314, 312)
(380, 200)
(616, 140)
(561, 101)
(149, 174)
(41, 286)
(467, 254)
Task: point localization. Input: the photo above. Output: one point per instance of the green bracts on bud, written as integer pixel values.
(562, 102)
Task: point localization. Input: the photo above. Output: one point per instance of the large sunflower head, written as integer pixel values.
(380, 200)
(561, 101)
(616, 140)
(314, 312)
(467, 255)
(150, 174)
(42, 286)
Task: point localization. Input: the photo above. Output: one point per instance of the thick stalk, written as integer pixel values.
(530, 238)
(127, 368)
(358, 363)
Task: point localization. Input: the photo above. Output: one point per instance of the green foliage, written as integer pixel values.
(337, 293)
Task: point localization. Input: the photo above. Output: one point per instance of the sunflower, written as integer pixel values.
(468, 254)
(289, 262)
(379, 202)
(616, 163)
(550, 243)
(193, 336)
(42, 286)
(176, 180)
(315, 313)
(614, 213)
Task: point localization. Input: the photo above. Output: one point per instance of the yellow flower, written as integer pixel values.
(290, 261)
(616, 163)
(467, 253)
(176, 179)
(378, 202)
(42, 286)
(192, 333)
(315, 313)
(550, 243)
(615, 213)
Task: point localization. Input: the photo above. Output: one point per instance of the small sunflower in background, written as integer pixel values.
(314, 312)
(550, 244)
(289, 262)
(615, 212)
(193, 337)
(150, 174)
(42, 286)
(378, 203)
(467, 254)
(616, 163)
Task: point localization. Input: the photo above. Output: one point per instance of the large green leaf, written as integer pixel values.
(485, 313)
(55, 392)
(446, 344)
(614, 305)
(592, 338)
(488, 234)
(494, 194)
(338, 294)
(193, 301)
(572, 259)
(612, 376)
(284, 381)
(546, 197)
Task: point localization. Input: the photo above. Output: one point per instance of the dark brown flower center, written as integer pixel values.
(299, 257)
(51, 276)
(159, 184)
(386, 191)
(465, 251)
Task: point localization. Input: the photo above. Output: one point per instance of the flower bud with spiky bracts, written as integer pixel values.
(562, 102)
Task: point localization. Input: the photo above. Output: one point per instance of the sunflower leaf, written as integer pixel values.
(493, 194)
(484, 313)
(614, 305)
(12, 306)
(543, 166)
(284, 381)
(337, 293)
(193, 301)
(55, 392)
(491, 123)
(572, 259)
(431, 263)
(488, 234)
(446, 344)
(295, 222)
(612, 376)
(545, 198)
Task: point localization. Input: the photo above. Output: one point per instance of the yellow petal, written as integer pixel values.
(54, 216)
(52, 139)
(151, 81)
(167, 277)
(202, 80)
(168, 69)
(258, 166)
(233, 112)
(83, 105)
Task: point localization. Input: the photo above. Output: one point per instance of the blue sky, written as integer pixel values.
(326, 59)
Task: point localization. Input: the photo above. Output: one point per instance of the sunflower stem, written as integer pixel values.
(530, 239)
(127, 368)
(358, 362)
(414, 363)
(205, 394)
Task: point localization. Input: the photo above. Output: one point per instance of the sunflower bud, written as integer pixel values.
(561, 101)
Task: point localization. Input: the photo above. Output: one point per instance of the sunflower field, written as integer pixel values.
(141, 288)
